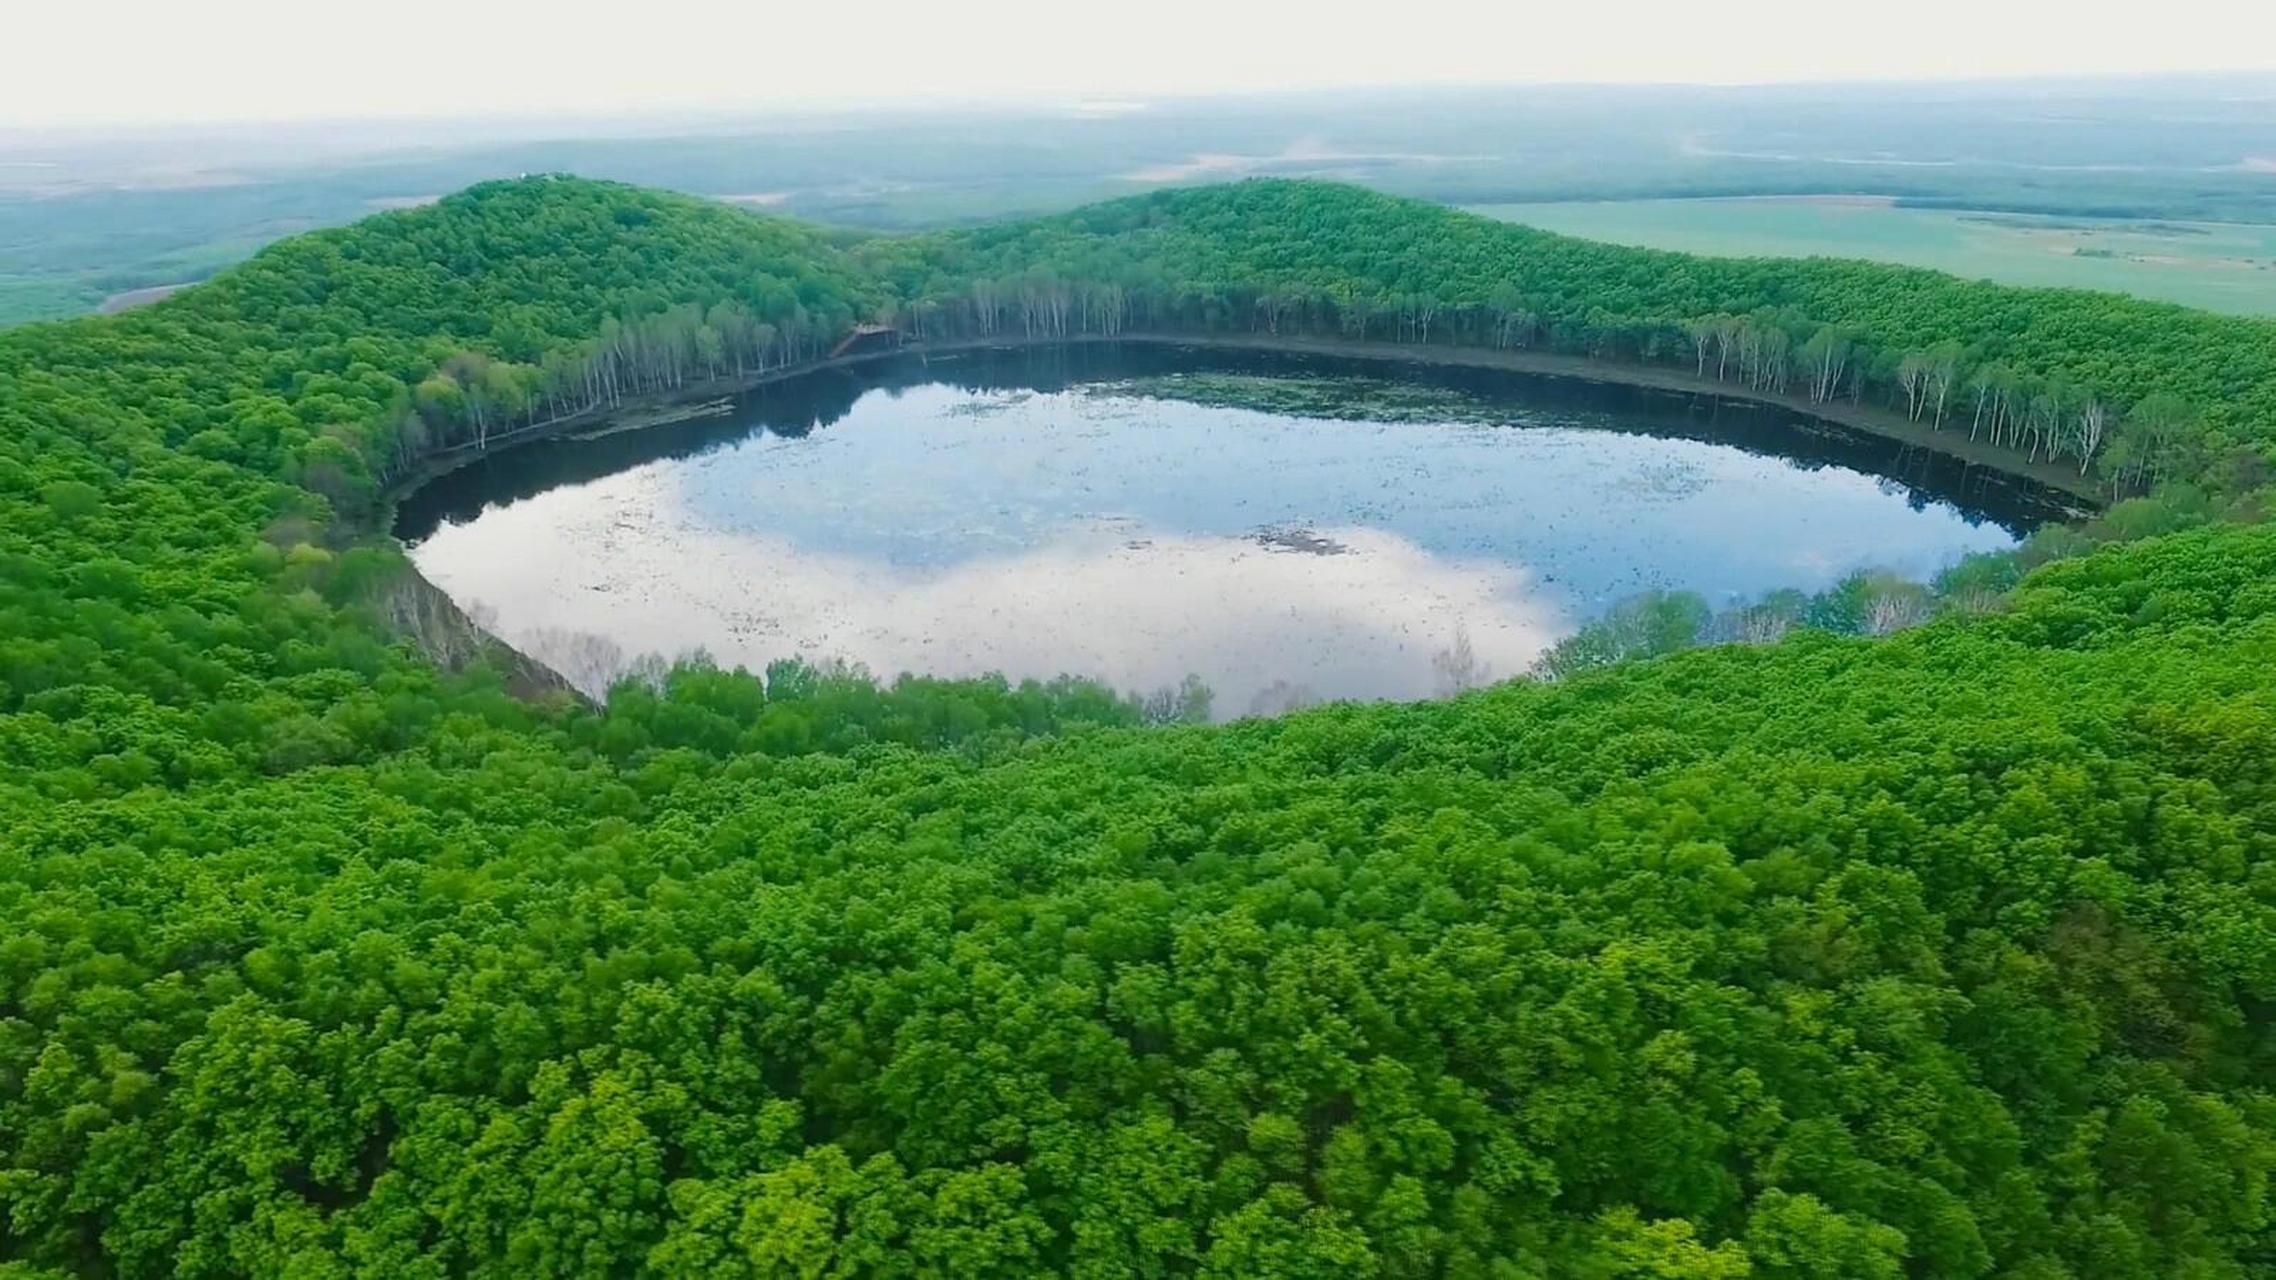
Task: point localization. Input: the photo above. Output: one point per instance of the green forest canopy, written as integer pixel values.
(519, 302)
(1941, 955)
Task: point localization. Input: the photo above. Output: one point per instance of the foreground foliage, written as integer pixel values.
(1940, 955)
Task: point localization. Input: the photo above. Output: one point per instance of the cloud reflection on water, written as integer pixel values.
(953, 531)
(1102, 600)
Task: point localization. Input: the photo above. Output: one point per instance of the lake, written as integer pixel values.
(1288, 529)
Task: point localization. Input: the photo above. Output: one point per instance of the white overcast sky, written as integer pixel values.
(184, 61)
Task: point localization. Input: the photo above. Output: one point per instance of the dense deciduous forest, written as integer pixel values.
(327, 949)
(2139, 391)
(2136, 393)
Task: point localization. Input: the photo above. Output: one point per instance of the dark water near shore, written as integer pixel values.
(1285, 527)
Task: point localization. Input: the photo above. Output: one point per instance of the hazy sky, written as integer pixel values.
(91, 61)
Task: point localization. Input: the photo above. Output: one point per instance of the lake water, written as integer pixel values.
(1287, 529)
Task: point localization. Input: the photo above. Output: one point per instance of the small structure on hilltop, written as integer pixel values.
(866, 338)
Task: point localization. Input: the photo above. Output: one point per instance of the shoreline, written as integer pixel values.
(1872, 420)
(450, 637)
(715, 398)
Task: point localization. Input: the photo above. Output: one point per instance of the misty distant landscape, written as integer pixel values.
(84, 218)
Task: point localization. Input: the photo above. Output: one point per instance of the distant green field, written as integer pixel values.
(23, 299)
(2218, 266)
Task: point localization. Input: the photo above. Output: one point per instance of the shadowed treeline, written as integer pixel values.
(811, 402)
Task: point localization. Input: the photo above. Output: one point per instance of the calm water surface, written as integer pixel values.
(1285, 528)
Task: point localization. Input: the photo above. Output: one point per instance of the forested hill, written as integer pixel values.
(2141, 390)
(518, 303)
(1943, 955)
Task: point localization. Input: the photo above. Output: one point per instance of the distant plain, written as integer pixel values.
(2162, 188)
(2219, 266)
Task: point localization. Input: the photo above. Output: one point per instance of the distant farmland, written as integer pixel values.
(2218, 266)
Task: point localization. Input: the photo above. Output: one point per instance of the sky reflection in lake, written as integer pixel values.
(1093, 530)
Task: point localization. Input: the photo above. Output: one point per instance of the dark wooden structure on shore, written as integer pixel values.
(866, 338)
